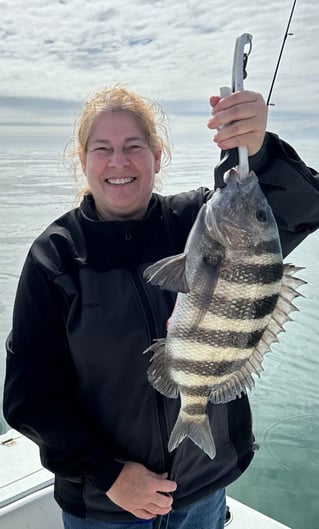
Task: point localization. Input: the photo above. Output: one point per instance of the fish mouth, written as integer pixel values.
(120, 181)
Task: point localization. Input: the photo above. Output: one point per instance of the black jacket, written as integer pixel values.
(76, 377)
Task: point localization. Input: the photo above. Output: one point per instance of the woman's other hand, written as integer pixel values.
(142, 492)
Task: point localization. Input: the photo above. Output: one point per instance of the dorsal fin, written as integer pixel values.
(239, 381)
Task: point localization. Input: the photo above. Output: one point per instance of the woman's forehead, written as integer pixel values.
(112, 124)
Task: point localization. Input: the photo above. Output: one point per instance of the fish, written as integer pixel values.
(234, 295)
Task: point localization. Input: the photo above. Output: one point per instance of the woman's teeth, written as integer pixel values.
(119, 180)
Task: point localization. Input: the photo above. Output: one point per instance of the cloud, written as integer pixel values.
(55, 53)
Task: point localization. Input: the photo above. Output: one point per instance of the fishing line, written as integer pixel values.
(281, 52)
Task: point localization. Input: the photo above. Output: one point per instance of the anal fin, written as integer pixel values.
(158, 374)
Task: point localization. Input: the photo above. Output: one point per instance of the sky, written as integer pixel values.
(54, 53)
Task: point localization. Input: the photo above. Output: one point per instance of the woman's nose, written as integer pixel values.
(118, 159)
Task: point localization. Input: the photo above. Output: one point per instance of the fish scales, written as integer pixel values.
(241, 306)
(234, 296)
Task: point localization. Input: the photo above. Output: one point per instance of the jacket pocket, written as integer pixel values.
(98, 502)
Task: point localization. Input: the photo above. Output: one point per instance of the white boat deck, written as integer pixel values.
(26, 492)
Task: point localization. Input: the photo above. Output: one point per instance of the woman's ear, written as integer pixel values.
(157, 160)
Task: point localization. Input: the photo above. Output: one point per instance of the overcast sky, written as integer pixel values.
(54, 53)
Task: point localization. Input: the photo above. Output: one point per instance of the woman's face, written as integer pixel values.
(119, 166)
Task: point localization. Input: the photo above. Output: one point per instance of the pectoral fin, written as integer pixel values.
(169, 273)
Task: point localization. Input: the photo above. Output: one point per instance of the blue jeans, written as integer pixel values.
(208, 513)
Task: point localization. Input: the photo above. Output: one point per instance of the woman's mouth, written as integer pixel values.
(120, 181)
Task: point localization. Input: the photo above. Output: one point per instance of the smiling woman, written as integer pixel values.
(120, 166)
(93, 134)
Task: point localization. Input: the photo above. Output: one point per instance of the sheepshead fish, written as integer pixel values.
(234, 296)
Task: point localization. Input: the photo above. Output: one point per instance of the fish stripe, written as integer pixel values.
(240, 308)
(194, 409)
(219, 338)
(217, 369)
(252, 273)
(235, 291)
(190, 350)
(270, 247)
(193, 379)
(189, 400)
(260, 259)
(214, 323)
(195, 391)
(227, 292)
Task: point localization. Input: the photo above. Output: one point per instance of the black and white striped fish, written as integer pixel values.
(234, 295)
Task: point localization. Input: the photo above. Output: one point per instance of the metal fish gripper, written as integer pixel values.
(235, 157)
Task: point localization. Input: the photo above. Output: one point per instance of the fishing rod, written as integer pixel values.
(281, 52)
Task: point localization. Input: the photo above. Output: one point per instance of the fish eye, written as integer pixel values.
(261, 215)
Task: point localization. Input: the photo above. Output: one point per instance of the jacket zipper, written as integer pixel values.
(146, 305)
(153, 333)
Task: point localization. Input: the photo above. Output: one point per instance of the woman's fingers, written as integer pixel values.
(138, 490)
(240, 120)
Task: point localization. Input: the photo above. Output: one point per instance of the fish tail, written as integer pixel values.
(198, 431)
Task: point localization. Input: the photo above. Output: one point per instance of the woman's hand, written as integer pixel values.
(142, 492)
(240, 120)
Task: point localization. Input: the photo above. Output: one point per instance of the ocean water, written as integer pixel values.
(283, 480)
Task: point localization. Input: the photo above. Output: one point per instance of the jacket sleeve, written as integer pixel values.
(41, 395)
(292, 190)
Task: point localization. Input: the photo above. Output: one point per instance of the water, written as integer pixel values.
(283, 481)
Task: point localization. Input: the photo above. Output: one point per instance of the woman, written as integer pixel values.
(76, 377)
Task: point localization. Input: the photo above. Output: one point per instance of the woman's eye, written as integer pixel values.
(127, 148)
(105, 149)
(133, 147)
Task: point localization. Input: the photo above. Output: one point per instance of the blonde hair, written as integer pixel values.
(148, 114)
